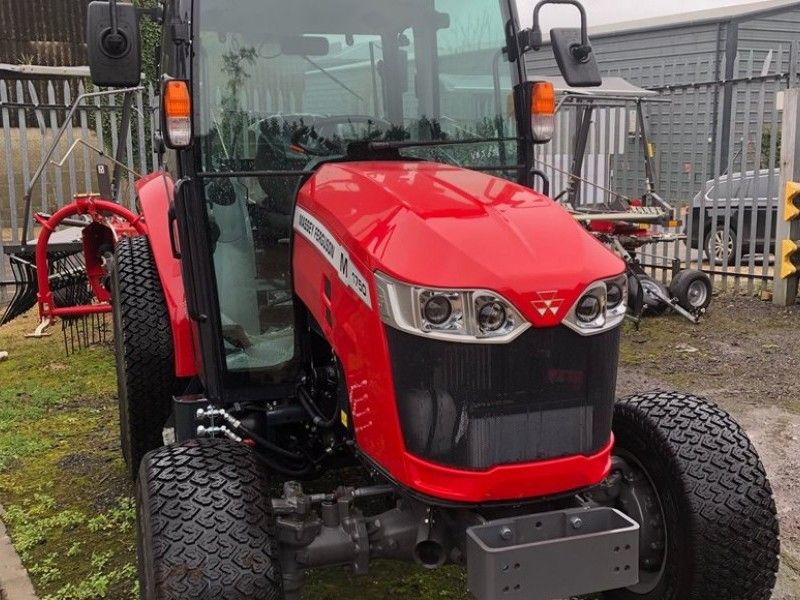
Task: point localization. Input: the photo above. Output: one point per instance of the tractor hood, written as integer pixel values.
(441, 226)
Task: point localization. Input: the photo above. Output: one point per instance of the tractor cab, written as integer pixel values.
(259, 104)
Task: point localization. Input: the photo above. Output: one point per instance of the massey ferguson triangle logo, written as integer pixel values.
(547, 302)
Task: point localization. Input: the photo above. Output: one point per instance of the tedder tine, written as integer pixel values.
(25, 288)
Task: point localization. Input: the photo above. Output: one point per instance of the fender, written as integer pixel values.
(154, 193)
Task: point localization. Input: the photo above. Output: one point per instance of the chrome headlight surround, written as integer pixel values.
(402, 306)
(611, 315)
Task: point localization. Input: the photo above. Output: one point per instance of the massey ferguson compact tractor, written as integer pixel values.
(345, 277)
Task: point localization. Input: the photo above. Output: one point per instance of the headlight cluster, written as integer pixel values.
(454, 315)
(600, 308)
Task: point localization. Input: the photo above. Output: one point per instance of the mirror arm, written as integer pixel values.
(112, 9)
(535, 35)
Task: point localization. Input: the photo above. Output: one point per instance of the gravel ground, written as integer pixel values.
(745, 356)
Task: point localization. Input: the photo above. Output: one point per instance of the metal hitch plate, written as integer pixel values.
(553, 555)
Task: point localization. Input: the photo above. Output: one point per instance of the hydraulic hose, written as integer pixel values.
(311, 408)
(273, 448)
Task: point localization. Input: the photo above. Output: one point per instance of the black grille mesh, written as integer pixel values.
(548, 393)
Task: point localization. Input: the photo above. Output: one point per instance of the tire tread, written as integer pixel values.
(733, 524)
(211, 528)
(147, 362)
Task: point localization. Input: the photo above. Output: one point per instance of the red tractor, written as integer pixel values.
(346, 265)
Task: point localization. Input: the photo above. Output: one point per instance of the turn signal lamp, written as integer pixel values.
(790, 258)
(177, 114)
(543, 111)
(791, 201)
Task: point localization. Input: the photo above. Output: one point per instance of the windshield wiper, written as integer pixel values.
(333, 78)
(398, 144)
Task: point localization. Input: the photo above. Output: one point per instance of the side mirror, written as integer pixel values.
(112, 38)
(576, 61)
(571, 47)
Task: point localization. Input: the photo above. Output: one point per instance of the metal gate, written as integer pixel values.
(717, 148)
(716, 153)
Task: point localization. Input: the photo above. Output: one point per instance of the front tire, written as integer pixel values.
(146, 378)
(206, 528)
(711, 495)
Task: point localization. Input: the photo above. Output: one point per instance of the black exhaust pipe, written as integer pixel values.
(430, 550)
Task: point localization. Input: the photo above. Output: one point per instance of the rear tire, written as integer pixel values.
(206, 528)
(693, 290)
(146, 378)
(713, 497)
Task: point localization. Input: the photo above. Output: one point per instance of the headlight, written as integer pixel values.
(616, 292)
(453, 315)
(492, 315)
(441, 310)
(601, 307)
(590, 307)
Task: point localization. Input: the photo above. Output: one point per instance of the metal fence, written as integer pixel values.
(717, 148)
(731, 162)
(31, 113)
(716, 151)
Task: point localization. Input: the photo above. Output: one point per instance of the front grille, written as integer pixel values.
(548, 393)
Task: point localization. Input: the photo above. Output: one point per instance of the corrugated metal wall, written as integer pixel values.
(685, 54)
(652, 55)
(764, 34)
(43, 32)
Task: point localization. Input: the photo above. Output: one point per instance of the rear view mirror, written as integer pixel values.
(305, 45)
(574, 55)
(112, 38)
(575, 59)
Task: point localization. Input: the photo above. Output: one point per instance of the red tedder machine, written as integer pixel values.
(346, 264)
(65, 269)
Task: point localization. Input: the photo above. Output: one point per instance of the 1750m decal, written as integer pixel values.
(316, 233)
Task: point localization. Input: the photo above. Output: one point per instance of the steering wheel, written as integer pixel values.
(323, 137)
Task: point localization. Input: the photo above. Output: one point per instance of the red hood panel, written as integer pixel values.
(442, 226)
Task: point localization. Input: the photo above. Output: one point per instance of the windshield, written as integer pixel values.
(306, 78)
(280, 86)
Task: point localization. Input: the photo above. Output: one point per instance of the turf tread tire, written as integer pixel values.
(714, 490)
(146, 378)
(206, 529)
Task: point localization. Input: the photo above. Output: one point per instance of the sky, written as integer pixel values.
(601, 12)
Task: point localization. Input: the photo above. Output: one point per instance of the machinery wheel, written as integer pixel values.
(696, 485)
(693, 289)
(719, 243)
(652, 304)
(146, 378)
(206, 529)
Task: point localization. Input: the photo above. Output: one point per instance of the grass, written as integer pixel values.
(68, 506)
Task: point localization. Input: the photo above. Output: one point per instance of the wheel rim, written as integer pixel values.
(640, 501)
(697, 294)
(723, 245)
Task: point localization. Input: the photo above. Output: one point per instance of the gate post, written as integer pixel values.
(784, 291)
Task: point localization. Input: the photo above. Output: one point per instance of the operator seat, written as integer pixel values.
(275, 151)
